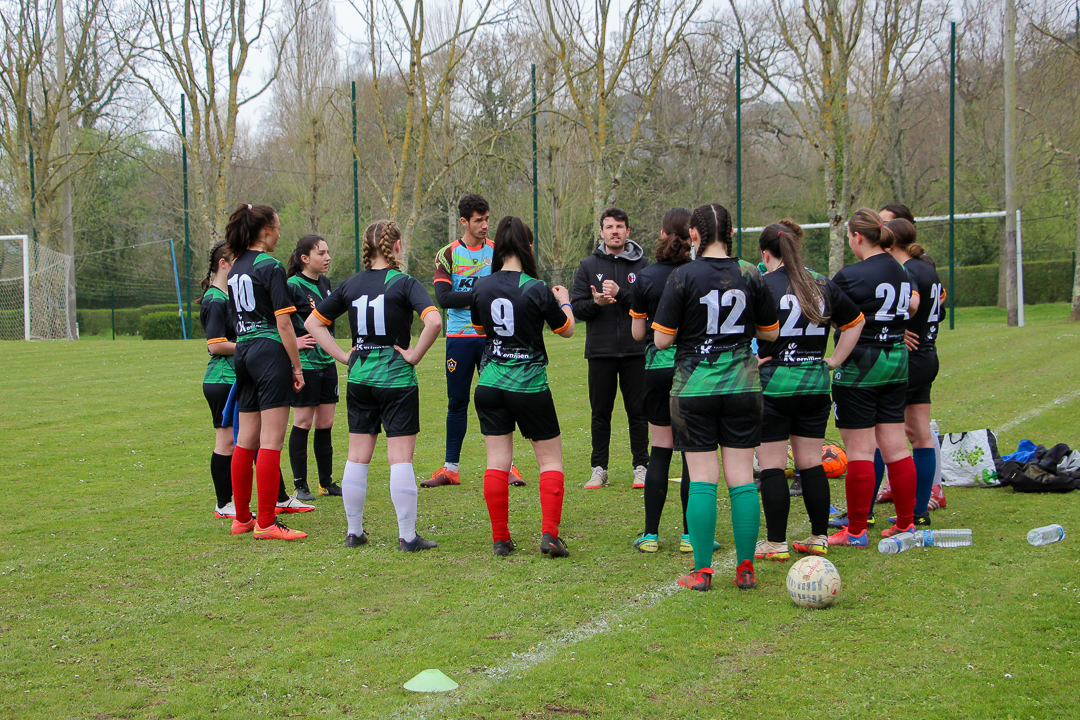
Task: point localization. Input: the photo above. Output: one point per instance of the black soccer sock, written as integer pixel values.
(324, 455)
(656, 481)
(684, 493)
(221, 473)
(298, 453)
(776, 502)
(815, 495)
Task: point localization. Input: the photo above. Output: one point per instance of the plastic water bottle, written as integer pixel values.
(901, 542)
(943, 538)
(1046, 535)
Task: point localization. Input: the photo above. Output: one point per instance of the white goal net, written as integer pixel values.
(33, 290)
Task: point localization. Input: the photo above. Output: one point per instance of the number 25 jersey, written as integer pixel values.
(881, 288)
(380, 304)
(714, 307)
(511, 308)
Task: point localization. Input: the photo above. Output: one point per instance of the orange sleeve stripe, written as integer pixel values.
(565, 325)
(853, 323)
(666, 330)
(439, 279)
(323, 320)
(479, 329)
(213, 341)
(767, 328)
(915, 293)
(285, 311)
(944, 294)
(429, 308)
(638, 316)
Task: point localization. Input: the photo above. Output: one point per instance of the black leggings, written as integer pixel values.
(606, 376)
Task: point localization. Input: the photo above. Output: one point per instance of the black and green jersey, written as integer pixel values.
(512, 308)
(881, 288)
(380, 304)
(306, 295)
(647, 291)
(931, 303)
(714, 307)
(219, 326)
(796, 363)
(259, 293)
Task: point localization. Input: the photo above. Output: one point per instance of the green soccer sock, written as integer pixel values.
(701, 519)
(745, 519)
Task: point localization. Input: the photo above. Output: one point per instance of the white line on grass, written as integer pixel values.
(518, 663)
(1021, 419)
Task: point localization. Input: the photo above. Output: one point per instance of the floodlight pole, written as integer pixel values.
(355, 185)
(952, 177)
(33, 188)
(738, 151)
(187, 227)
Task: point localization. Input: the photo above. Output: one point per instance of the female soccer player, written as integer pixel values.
(710, 309)
(922, 359)
(795, 387)
(219, 376)
(382, 390)
(267, 363)
(673, 251)
(307, 268)
(870, 387)
(511, 307)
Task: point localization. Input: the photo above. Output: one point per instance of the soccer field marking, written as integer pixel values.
(1021, 419)
(473, 688)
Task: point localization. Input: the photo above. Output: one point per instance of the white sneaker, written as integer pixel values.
(639, 477)
(228, 510)
(292, 505)
(598, 479)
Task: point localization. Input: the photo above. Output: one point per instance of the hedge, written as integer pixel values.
(128, 320)
(166, 326)
(1046, 281)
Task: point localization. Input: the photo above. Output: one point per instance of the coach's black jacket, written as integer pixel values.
(607, 327)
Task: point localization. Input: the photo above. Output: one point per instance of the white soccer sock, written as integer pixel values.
(354, 495)
(452, 467)
(403, 492)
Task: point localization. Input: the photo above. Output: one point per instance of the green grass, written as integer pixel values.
(122, 597)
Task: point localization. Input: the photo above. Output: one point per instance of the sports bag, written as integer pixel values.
(1029, 477)
(970, 459)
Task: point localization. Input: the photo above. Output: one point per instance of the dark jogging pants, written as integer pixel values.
(606, 376)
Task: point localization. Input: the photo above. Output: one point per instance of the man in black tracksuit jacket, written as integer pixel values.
(603, 287)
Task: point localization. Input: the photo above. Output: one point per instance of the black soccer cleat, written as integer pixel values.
(356, 540)
(332, 489)
(416, 544)
(796, 487)
(504, 548)
(303, 492)
(553, 546)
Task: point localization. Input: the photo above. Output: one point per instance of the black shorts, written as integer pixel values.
(217, 394)
(700, 424)
(263, 375)
(372, 408)
(320, 387)
(858, 408)
(533, 412)
(799, 415)
(657, 399)
(922, 369)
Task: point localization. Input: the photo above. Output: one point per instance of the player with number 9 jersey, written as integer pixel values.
(382, 391)
(870, 388)
(711, 309)
(511, 307)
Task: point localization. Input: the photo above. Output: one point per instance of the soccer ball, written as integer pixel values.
(834, 460)
(813, 582)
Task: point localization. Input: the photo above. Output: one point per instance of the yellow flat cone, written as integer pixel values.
(431, 680)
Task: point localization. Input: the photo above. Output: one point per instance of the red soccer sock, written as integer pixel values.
(267, 478)
(497, 496)
(242, 468)
(902, 481)
(551, 497)
(860, 492)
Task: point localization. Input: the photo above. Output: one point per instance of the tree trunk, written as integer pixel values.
(1075, 314)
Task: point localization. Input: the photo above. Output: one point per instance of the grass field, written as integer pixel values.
(123, 598)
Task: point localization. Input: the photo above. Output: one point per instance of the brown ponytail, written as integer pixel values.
(786, 247)
(379, 239)
(244, 226)
(868, 223)
(905, 237)
(219, 250)
(675, 247)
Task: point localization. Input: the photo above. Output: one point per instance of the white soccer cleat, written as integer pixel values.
(228, 510)
(598, 480)
(639, 477)
(292, 505)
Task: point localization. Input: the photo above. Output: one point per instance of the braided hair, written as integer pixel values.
(713, 223)
(379, 239)
(219, 250)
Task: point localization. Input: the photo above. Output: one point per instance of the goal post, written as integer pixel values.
(33, 290)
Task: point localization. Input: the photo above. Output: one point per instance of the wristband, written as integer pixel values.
(567, 305)
(298, 372)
